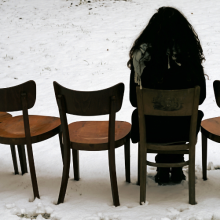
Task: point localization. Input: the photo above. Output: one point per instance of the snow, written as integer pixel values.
(85, 47)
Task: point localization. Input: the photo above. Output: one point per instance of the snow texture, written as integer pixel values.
(85, 46)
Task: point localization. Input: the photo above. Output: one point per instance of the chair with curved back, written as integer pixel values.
(25, 129)
(92, 135)
(210, 128)
(168, 103)
(4, 116)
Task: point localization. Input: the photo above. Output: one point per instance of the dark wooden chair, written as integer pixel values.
(168, 103)
(210, 128)
(21, 150)
(92, 135)
(25, 129)
(4, 116)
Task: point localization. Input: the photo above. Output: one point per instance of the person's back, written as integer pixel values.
(167, 55)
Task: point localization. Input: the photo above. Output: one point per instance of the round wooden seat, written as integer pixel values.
(4, 115)
(211, 128)
(41, 128)
(93, 135)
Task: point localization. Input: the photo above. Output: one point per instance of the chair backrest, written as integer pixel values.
(90, 103)
(216, 86)
(168, 103)
(10, 98)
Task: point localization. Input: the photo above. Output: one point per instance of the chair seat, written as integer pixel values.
(211, 128)
(96, 132)
(4, 115)
(41, 128)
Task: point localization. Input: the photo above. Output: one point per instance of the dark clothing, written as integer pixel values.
(167, 129)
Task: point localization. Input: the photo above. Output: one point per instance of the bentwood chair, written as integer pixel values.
(21, 150)
(92, 135)
(168, 103)
(25, 129)
(210, 128)
(4, 116)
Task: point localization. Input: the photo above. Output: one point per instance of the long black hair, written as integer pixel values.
(168, 27)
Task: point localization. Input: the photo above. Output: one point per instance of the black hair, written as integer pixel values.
(168, 27)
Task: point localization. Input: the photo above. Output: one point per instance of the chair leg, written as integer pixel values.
(191, 174)
(113, 178)
(65, 177)
(14, 159)
(138, 178)
(204, 156)
(61, 144)
(127, 161)
(143, 174)
(22, 157)
(75, 154)
(32, 171)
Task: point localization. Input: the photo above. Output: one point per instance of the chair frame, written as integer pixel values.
(159, 103)
(4, 116)
(23, 97)
(209, 135)
(62, 95)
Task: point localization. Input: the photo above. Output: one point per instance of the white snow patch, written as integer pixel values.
(9, 206)
(40, 217)
(85, 47)
(210, 166)
(173, 213)
(48, 210)
(216, 215)
(15, 211)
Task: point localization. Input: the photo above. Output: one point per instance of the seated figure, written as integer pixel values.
(167, 55)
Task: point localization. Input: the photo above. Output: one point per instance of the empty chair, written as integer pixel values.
(4, 116)
(92, 135)
(25, 129)
(21, 150)
(210, 128)
(167, 103)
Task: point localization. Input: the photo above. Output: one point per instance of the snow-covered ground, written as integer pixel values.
(85, 47)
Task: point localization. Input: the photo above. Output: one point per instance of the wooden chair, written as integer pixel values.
(25, 129)
(4, 116)
(210, 128)
(168, 103)
(92, 135)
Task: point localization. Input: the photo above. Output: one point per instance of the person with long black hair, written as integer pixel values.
(167, 55)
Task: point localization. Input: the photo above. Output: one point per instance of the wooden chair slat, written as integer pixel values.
(90, 103)
(167, 152)
(11, 97)
(168, 102)
(167, 164)
(167, 147)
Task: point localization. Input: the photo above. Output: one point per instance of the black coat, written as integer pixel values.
(167, 129)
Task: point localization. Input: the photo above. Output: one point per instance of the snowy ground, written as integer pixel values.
(85, 47)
